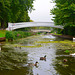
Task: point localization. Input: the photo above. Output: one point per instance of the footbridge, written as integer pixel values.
(13, 26)
(42, 30)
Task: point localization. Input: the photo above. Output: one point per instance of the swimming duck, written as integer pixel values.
(43, 58)
(49, 47)
(20, 47)
(31, 64)
(65, 60)
(73, 45)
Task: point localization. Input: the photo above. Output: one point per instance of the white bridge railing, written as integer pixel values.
(13, 26)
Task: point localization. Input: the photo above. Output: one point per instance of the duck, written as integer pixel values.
(49, 47)
(43, 58)
(65, 60)
(73, 45)
(31, 64)
(20, 47)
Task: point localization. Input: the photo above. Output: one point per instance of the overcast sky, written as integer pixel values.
(42, 11)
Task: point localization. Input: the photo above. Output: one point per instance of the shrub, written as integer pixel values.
(9, 35)
(69, 30)
(13, 35)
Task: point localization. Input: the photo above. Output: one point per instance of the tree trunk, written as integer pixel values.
(6, 24)
(2, 24)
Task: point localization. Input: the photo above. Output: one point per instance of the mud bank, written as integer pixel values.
(2, 39)
(64, 36)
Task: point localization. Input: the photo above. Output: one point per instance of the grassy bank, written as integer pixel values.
(2, 33)
(14, 35)
(63, 36)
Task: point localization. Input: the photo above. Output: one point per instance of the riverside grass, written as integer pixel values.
(2, 33)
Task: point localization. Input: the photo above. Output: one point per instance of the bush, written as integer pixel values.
(69, 30)
(9, 35)
(13, 35)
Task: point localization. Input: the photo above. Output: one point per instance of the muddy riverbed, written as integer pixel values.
(15, 56)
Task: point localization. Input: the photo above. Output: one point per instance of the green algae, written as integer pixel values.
(10, 60)
(66, 51)
(33, 46)
(67, 42)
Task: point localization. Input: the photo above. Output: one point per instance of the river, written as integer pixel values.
(15, 56)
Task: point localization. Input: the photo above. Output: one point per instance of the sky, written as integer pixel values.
(42, 11)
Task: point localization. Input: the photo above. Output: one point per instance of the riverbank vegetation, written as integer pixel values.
(2, 33)
(13, 35)
(64, 14)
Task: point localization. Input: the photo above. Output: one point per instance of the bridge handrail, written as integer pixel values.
(13, 26)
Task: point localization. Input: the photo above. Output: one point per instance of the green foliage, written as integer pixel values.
(66, 51)
(39, 33)
(69, 30)
(24, 29)
(16, 34)
(2, 33)
(64, 12)
(19, 10)
(9, 35)
(15, 11)
(31, 21)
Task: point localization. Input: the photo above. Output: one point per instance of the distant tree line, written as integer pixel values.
(64, 14)
(14, 11)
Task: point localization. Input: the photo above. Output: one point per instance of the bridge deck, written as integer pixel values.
(13, 26)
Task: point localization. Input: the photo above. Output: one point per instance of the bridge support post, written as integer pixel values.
(10, 26)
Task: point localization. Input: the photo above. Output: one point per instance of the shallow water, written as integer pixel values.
(35, 47)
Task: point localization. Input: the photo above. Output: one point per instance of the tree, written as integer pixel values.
(64, 14)
(4, 10)
(20, 10)
(14, 11)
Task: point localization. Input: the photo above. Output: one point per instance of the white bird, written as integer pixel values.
(72, 54)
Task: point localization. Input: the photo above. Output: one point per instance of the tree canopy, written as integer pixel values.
(64, 14)
(15, 11)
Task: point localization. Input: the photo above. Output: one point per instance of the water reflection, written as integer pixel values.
(44, 67)
(64, 64)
